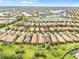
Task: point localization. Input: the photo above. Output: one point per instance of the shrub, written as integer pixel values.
(1, 49)
(4, 56)
(55, 54)
(20, 52)
(37, 55)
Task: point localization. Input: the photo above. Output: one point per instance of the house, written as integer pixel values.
(20, 39)
(60, 39)
(47, 38)
(34, 39)
(41, 39)
(53, 38)
(27, 39)
(68, 39)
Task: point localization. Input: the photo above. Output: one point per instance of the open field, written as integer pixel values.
(56, 51)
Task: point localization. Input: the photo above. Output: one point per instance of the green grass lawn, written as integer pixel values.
(53, 52)
(69, 57)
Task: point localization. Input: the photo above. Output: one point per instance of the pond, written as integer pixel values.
(50, 19)
(3, 13)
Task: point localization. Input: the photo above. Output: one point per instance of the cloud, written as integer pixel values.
(39, 2)
(18, 1)
(26, 1)
(5, 1)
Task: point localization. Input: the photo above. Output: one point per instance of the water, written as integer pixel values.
(48, 19)
(26, 14)
(3, 14)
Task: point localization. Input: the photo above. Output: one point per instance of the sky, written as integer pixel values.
(55, 3)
